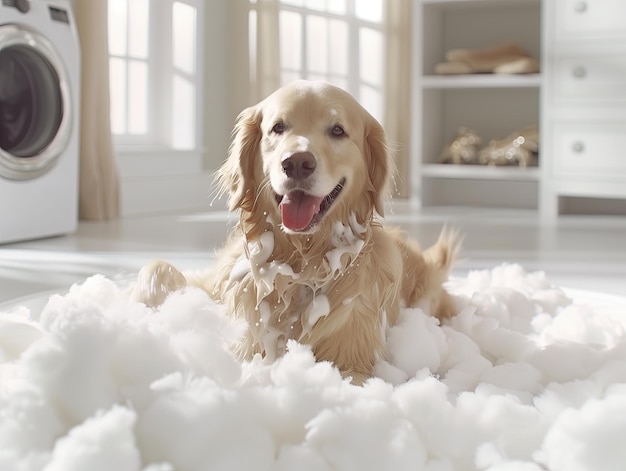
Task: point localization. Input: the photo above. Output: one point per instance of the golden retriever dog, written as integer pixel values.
(308, 171)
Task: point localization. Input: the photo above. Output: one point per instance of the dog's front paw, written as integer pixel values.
(155, 282)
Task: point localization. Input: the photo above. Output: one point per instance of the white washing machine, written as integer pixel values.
(39, 119)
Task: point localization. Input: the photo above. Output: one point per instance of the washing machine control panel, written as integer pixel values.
(21, 5)
(59, 14)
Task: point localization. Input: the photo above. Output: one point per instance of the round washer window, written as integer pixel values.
(34, 104)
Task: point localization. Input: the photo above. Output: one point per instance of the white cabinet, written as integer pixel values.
(590, 150)
(587, 19)
(578, 99)
(492, 105)
(584, 104)
(586, 75)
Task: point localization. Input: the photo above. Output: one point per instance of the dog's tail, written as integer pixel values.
(443, 253)
(439, 259)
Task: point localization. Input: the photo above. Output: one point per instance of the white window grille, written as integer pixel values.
(340, 41)
(156, 72)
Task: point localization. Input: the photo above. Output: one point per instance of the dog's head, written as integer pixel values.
(307, 154)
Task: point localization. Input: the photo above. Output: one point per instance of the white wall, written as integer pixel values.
(226, 93)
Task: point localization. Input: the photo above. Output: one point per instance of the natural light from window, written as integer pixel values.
(153, 70)
(340, 41)
(128, 48)
(184, 60)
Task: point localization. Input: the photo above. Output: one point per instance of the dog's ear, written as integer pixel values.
(380, 164)
(237, 176)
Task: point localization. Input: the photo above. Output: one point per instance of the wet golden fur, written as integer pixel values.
(337, 285)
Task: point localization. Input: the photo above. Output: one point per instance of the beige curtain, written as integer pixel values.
(99, 182)
(398, 86)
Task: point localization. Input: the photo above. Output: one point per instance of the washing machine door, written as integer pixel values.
(35, 107)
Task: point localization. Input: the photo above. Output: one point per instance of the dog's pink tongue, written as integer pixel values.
(298, 208)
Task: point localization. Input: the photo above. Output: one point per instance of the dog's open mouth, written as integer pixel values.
(301, 211)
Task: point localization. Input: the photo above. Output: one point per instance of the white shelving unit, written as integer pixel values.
(492, 105)
(584, 107)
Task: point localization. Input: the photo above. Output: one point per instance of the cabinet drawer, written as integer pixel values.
(590, 150)
(596, 77)
(590, 18)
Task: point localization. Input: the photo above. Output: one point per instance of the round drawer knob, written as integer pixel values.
(578, 147)
(580, 7)
(579, 72)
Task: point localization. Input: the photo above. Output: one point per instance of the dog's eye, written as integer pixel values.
(278, 128)
(338, 131)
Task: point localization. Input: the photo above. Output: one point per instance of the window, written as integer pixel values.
(340, 41)
(155, 72)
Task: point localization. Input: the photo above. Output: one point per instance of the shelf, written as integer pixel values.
(493, 105)
(480, 172)
(481, 81)
(478, 3)
(400, 211)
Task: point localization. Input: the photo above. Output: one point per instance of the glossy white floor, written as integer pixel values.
(579, 252)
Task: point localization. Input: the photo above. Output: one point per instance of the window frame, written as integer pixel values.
(155, 176)
(161, 71)
(353, 79)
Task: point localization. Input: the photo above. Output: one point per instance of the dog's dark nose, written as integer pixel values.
(299, 165)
